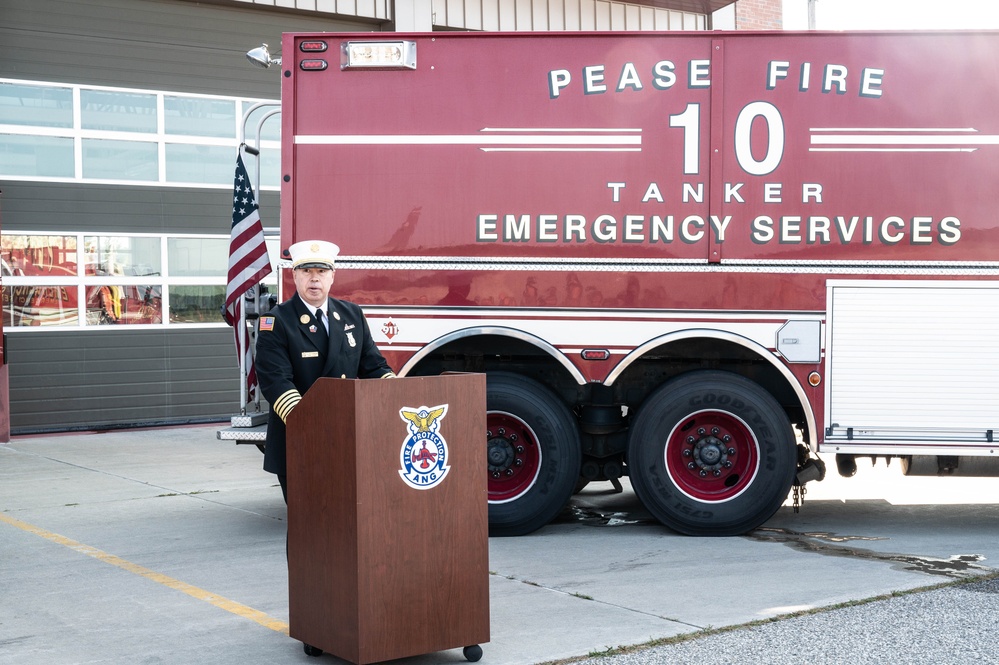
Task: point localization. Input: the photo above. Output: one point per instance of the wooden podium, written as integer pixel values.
(388, 552)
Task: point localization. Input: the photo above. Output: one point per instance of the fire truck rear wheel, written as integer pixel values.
(532, 452)
(711, 454)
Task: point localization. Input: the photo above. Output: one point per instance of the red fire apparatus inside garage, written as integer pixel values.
(694, 259)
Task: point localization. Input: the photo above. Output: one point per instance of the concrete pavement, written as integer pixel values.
(167, 546)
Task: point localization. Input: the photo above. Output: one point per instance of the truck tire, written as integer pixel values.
(533, 453)
(711, 454)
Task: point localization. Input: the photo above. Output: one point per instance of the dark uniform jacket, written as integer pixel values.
(291, 357)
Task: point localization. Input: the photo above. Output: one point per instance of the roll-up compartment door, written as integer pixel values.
(912, 362)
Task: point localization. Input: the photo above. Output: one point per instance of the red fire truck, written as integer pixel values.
(695, 259)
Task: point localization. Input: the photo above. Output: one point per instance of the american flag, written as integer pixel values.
(248, 264)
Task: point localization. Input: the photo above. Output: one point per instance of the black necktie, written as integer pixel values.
(321, 329)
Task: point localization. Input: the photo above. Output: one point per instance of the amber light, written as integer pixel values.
(814, 379)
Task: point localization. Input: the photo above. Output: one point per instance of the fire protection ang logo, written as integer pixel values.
(424, 452)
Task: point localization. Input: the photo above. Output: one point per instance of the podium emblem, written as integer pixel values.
(424, 452)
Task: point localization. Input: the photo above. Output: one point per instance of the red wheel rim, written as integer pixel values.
(712, 456)
(513, 455)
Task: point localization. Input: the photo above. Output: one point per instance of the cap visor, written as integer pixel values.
(315, 264)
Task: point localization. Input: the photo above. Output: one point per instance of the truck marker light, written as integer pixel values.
(382, 55)
(313, 65)
(814, 379)
(595, 354)
(312, 46)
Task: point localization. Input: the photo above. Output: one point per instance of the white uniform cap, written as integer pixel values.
(313, 254)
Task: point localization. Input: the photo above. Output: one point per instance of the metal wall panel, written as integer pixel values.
(514, 14)
(151, 44)
(380, 9)
(559, 15)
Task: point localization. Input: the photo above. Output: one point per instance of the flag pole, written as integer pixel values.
(255, 152)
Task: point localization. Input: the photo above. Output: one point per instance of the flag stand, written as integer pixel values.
(243, 281)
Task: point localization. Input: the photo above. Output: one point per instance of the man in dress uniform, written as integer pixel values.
(309, 336)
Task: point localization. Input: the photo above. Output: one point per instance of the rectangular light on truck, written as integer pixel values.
(382, 55)
(316, 46)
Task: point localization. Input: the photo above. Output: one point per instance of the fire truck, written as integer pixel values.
(698, 260)
(109, 303)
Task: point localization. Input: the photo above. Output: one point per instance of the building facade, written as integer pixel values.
(119, 125)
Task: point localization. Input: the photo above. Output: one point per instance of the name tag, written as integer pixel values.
(310, 354)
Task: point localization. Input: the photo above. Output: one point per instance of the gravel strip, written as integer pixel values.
(955, 625)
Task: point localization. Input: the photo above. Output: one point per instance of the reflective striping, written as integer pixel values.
(536, 140)
(214, 599)
(286, 402)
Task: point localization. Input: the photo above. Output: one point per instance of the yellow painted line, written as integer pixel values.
(218, 601)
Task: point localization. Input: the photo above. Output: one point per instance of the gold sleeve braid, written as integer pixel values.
(285, 403)
(388, 375)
